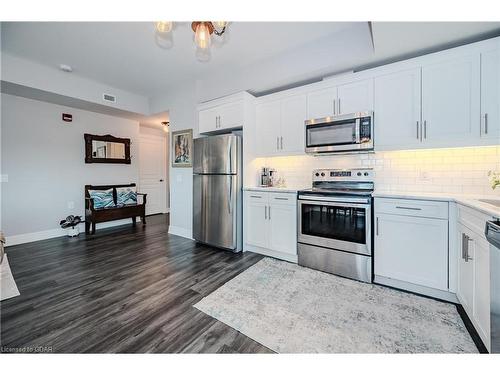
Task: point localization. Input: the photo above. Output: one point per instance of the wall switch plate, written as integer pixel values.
(4, 178)
(71, 205)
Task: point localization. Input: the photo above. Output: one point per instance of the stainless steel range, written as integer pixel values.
(335, 223)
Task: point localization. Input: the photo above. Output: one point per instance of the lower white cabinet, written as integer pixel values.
(473, 289)
(270, 224)
(411, 245)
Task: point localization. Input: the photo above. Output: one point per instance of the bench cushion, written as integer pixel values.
(102, 198)
(126, 196)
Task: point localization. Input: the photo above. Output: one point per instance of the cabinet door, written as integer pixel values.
(322, 103)
(293, 116)
(465, 287)
(207, 120)
(268, 127)
(355, 97)
(490, 95)
(256, 225)
(412, 249)
(231, 115)
(397, 110)
(481, 309)
(450, 102)
(283, 228)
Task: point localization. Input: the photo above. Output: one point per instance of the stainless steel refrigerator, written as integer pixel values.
(217, 196)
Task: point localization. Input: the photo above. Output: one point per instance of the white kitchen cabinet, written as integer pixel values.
(397, 110)
(280, 126)
(226, 113)
(342, 99)
(412, 249)
(355, 97)
(270, 224)
(322, 103)
(450, 102)
(473, 289)
(256, 215)
(490, 95)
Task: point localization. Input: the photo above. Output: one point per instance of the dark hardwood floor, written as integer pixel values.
(125, 289)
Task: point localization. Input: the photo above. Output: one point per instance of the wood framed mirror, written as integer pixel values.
(106, 149)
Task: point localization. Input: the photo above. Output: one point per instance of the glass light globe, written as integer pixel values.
(219, 25)
(202, 36)
(164, 26)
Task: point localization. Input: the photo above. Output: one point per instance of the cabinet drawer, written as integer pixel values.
(412, 207)
(257, 196)
(472, 219)
(289, 199)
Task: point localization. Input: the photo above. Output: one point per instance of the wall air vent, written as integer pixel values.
(109, 98)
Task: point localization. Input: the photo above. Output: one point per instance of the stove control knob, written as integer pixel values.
(359, 173)
(366, 173)
(322, 174)
(317, 174)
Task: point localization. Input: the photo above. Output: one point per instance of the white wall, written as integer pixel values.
(44, 160)
(181, 104)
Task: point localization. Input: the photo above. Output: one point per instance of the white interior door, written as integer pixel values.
(153, 173)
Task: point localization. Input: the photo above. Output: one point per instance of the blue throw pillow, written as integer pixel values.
(102, 198)
(126, 196)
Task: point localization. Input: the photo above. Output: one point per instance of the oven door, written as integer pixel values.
(336, 225)
(327, 136)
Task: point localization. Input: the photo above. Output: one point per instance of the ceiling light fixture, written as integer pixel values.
(203, 31)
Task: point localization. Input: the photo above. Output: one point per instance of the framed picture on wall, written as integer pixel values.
(182, 148)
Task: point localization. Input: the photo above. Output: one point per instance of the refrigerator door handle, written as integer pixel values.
(230, 195)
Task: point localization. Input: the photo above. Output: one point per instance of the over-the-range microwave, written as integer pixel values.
(351, 132)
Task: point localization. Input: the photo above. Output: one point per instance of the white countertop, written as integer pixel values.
(274, 189)
(471, 201)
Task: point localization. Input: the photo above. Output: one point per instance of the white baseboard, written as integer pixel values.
(179, 231)
(58, 232)
(293, 258)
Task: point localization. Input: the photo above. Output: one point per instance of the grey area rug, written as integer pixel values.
(293, 309)
(8, 287)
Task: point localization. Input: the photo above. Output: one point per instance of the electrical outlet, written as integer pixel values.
(71, 205)
(424, 176)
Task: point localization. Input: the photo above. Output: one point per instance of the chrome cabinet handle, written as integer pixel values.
(334, 105)
(485, 123)
(255, 196)
(339, 107)
(281, 143)
(281, 199)
(277, 143)
(269, 212)
(418, 136)
(265, 212)
(409, 208)
(377, 226)
(464, 244)
(425, 129)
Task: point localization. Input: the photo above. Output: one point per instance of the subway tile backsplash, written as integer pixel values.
(458, 170)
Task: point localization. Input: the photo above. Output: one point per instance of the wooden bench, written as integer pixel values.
(100, 215)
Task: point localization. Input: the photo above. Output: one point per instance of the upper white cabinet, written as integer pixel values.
(222, 114)
(490, 95)
(355, 97)
(450, 102)
(397, 110)
(280, 126)
(342, 99)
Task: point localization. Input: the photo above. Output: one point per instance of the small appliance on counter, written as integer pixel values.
(335, 223)
(267, 177)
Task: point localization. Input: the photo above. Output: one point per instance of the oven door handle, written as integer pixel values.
(315, 200)
(335, 204)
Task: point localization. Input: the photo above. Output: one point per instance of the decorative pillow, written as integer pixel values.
(102, 198)
(126, 195)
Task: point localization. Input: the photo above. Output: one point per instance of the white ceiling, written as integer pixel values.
(129, 56)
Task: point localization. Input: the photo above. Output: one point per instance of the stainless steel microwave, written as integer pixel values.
(351, 132)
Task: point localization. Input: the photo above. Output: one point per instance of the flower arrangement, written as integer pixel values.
(494, 179)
